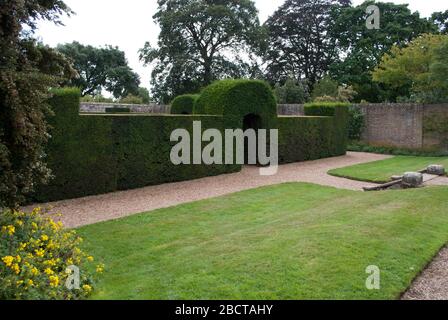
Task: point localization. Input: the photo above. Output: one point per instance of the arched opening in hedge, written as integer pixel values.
(251, 121)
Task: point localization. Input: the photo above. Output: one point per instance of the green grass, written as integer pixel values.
(381, 171)
(290, 241)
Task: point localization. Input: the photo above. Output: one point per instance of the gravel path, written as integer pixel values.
(89, 210)
(432, 284)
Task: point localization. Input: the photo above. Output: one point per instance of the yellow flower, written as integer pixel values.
(48, 271)
(34, 225)
(20, 282)
(87, 288)
(34, 271)
(39, 252)
(50, 263)
(54, 281)
(70, 261)
(19, 259)
(100, 268)
(22, 246)
(44, 237)
(15, 267)
(90, 258)
(9, 229)
(8, 260)
(19, 223)
(30, 282)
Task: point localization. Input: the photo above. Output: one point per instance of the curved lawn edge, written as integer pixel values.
(289, 241)
(381, 171)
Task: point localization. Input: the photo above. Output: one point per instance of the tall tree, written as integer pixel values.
(361, 48)
(417, 71)
(101, 69)
(299, 43)
(201, 41)
(27, 71)
(440, 19)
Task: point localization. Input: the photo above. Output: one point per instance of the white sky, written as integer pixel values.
(128, 24)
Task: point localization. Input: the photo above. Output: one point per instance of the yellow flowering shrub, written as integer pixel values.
(35, 256)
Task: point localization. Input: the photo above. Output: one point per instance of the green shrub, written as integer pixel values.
(292, 92)
(131, 99)
(97, 99)
(325, 87)
(35, 253)
(355, 123)
(363, 147)
(326, 109)
(235, 99)
(184, 104)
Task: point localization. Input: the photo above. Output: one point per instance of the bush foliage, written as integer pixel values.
(184, 104)
(35, 253)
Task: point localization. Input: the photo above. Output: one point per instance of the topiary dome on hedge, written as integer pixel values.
(184, 104)
(235, 99)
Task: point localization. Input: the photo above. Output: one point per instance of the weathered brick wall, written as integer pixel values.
(90, 107)
(435, 126)
(411, 126)
(398, 125)
(291, 109)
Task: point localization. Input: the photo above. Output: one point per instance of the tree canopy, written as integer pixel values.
(417, 71)
(299, 42)
(199, 42)
(361, 48)
(101, 69)
(28, 69)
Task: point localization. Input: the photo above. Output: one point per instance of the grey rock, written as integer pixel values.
(436, 170)
(395, 178)
(412, 179)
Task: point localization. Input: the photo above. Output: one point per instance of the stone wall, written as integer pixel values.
(411, 126)
(291, 109)
(90, 107)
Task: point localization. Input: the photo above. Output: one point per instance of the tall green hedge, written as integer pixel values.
(96, 154)
(184, 104)
(235, 99)
(313, 137)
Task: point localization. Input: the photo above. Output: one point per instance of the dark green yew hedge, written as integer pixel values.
(184, 104)
(96, 154)
(235, 99)
(313, 137)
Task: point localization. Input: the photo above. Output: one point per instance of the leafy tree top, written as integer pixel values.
(101, 69)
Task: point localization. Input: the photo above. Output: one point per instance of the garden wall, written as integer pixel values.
(411, 126)
(95, 107)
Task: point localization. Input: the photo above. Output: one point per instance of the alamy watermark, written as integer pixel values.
(374, 19)
(373, 281)
(236, 147)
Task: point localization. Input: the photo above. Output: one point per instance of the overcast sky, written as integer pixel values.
(128, 24)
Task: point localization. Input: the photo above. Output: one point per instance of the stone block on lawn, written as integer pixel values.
(412, 179)
(436, 170)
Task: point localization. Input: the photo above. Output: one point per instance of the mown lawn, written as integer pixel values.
(381, 171)
(291, 241)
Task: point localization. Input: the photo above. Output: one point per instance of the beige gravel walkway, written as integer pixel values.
(89, 210)
(432, 284)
